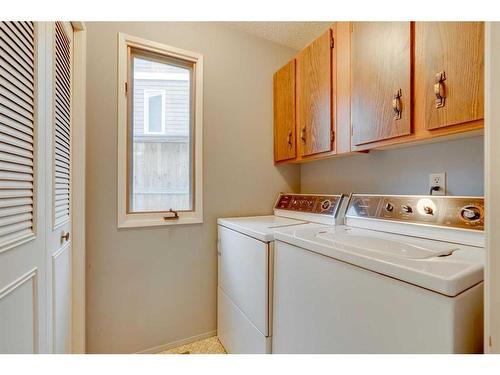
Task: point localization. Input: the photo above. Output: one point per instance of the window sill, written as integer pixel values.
(155, 220)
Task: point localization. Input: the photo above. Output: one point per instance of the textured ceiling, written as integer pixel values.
(295, 35)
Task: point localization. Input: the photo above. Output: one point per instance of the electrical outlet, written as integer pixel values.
(437, 179)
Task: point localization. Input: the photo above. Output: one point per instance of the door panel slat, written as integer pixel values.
(17, 151)
(14, 63)
(62, 126)
(61, 163)
(12, 43)
(14, 232)
(14, 202)
(21, 37)
(9, 74)
(5, 111)
(62, 197)
(14, 159)
(61, 122)
(28, 26)
(62, 202)
(17, 92)
(13, 132)
(63, 95)
(63, 101)
(17, 122)
(14, 99)
(13, 141)
(4, 193)
(15, 176)
(15, 107)
(18, 185)
(12, 167)
(6, 121)
(16, 210)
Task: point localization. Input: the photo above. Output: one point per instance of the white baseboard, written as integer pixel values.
(175, 344)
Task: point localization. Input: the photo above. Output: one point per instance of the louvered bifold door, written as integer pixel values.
(62, 126)
(17, 120)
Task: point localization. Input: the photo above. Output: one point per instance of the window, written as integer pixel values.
(154, 111)
(159, 130)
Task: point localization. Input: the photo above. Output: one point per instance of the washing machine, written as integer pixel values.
(403, 275)
(245, 266)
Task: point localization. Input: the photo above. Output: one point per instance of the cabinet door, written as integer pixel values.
(449, 72)
(381, 95)
(314, 91)
(284, 113)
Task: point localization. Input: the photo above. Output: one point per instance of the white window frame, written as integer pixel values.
(148, 219)
(148, 93)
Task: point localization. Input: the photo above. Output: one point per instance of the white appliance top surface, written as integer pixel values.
(261, 227)
(443, 267)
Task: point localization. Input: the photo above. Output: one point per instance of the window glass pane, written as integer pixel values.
(155, 114)
(161, 165)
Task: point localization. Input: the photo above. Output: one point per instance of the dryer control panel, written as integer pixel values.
(443, 211)
(309, 203)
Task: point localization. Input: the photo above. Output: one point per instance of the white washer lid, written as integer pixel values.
(258, 227)
(448, 275)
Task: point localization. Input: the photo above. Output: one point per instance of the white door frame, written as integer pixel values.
(78, 189)
(492, 189)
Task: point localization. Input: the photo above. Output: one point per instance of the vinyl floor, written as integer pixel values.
(211, 345)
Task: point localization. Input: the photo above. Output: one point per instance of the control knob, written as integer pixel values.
(389, 207)
(470, 213)
(428, 210)
(406, 208)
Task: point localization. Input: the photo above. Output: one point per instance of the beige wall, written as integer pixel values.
(148, 287)
(401, 171)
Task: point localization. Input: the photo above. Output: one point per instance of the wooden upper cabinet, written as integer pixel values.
(368, 85)
(314, 97)
(381, 81)
(449, 73)
(284, 113)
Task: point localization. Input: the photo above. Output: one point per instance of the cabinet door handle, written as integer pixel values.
(303, 134)
(289, 138)
(65, 237)
(439, 89)
(396, 105)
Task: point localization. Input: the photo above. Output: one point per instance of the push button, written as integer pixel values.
(325, 205)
